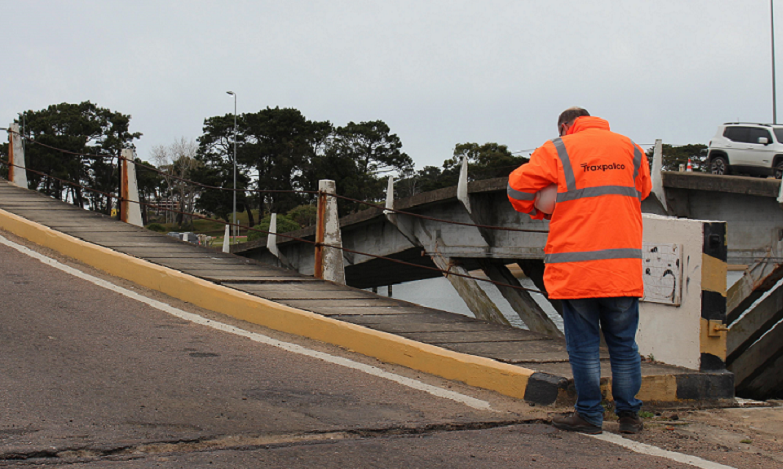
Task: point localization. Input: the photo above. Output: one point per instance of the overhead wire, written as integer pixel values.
(349, 199)
(440, 220)
(36, 142)
(310, 192)
(283, 235)
(227, 189)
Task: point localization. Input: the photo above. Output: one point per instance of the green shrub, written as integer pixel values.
(304, 215)
(284, 225)
(156, 227)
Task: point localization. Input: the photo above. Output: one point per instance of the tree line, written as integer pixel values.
(277, 150)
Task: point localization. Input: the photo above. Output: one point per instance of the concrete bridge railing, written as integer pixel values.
(682, 320)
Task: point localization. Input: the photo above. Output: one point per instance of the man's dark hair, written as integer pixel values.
(570, 114)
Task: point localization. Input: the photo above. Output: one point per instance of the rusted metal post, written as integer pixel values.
(130, 211)
(123, 202)
(320, 229)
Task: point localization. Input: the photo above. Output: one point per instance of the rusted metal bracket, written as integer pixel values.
(716, 327)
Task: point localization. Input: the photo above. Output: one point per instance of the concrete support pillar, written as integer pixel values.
(226, 240)
(534, 269)
(755, 346)
(131, 210)
(469, 290)
(763, 314)
(328, 260)
(523, 304)
(657, 174)
(16, 169)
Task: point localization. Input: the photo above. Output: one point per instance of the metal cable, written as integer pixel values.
(300, 191)
(88, 155)
(227, 189)
(370, 204)
(446, 273)
(65, 181)
(441, 220)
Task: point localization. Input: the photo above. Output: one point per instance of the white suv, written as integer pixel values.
(755, 149)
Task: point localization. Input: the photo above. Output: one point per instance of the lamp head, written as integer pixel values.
(230, 92)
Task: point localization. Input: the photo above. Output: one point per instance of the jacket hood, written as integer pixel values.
(588, 122)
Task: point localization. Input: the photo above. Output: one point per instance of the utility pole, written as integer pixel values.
(235, 164)
(774, 94)
(24, 134)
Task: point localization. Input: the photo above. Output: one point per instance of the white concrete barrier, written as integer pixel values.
(672, 328)
(328, 261)
(16, 171)
(131, 210)
(226, 241)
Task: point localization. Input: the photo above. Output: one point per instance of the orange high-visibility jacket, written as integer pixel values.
(594, 247)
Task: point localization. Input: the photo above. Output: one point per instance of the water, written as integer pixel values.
(439, 294)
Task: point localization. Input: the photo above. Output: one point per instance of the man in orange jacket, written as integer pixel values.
(593, 256)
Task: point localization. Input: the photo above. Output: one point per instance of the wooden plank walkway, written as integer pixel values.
(427, 325)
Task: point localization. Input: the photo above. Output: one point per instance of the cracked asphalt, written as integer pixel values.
(90, 378)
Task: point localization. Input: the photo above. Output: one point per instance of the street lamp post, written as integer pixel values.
(235, 164)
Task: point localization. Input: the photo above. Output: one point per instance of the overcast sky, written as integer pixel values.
(437, 72)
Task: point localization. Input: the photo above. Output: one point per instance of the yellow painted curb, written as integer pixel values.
(480, 372)
(655, 388)
(661, 388)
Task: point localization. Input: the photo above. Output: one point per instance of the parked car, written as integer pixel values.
(746, 148)
(186, 236)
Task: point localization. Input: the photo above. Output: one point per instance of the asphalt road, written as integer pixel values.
(90, 378)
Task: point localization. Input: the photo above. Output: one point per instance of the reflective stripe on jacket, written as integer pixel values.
(594, 247)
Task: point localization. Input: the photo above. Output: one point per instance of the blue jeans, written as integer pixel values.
(619, 319)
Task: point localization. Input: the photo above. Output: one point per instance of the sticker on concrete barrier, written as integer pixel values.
(662, 273)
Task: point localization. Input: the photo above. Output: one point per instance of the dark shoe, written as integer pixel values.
(572, 422)
(630, 422)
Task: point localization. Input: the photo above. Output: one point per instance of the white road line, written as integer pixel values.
(655, 451)
(294, 348)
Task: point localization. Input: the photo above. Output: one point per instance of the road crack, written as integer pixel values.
(86, 454)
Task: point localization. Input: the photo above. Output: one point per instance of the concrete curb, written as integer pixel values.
(480, 372)
(510, 380)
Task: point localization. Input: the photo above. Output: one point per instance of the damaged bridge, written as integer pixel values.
(713, 229)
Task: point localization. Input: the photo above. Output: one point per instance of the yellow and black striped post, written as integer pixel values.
(713, 298)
